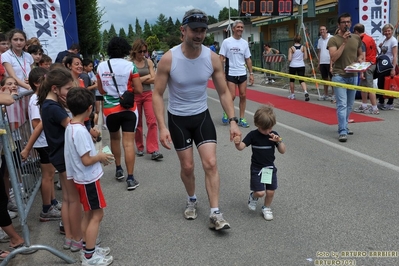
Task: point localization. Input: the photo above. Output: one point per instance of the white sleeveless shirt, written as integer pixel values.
(188, 82)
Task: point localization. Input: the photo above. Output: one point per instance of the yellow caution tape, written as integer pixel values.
(330, 83)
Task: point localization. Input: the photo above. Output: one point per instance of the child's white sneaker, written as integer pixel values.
(252, 202)
(97, 260)
(267, 213)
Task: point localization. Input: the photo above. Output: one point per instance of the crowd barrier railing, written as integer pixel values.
(25, 176)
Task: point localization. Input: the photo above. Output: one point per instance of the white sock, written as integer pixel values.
(364, 105)
(194, 197)
(213, 210)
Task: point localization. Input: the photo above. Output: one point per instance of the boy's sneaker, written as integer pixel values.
(371, 111)
(53, 214)
(140, 153)
(156, 155)
(97, 259)
(62, 229)
(243, 123)
(119, 174)
(225, 118)
(267, 213)
(191, 210)
(76, 245)
(307, 96)
(389, 107)
(291, 96)
(252, 202)
(4, 238)
(132, 184)
(361, 109)
(217, 222)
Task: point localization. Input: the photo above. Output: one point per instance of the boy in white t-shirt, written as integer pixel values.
(82, 163)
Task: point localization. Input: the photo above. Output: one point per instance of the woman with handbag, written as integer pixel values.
(389, 47)
(117, 79)
(144, 102)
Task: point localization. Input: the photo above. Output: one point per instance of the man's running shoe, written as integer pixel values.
(291, 96)
(225, 119)
(217, 222)
(191, 210)
(119, 174)
(132, 184)
(243, 123)
(53, 214)
(252, 202)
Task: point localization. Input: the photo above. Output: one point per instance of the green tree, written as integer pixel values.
(112, 32)
(89, 23)
(130, 34)
(153, 43)
(147, 32)
(160, 29)
(105, 40)
(224, 13)
(7, 22)
(213, 20)
(138, 30)
(122, 33)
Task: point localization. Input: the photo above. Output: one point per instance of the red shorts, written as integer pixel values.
(91, 196)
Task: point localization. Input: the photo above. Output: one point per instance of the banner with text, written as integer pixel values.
(374, 15)
(53, 22)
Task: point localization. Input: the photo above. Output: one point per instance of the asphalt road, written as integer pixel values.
(334, 201)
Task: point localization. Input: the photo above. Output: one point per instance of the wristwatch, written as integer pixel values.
(235, 119)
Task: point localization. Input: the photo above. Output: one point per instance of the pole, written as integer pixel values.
(231, 31)
(300, 16)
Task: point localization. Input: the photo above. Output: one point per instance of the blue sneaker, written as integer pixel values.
(243, 122)
(225, 119)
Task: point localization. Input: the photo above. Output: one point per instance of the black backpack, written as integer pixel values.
(383, 64)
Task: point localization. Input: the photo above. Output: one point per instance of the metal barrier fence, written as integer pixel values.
(25, 176)
(275, 62)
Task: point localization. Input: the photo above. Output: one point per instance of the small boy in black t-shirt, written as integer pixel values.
(263, 171)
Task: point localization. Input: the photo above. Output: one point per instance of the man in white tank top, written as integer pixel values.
(186, 69)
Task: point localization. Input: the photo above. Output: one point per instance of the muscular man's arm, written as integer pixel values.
(161, 80)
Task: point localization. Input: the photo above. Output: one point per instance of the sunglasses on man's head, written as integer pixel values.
(195, 18)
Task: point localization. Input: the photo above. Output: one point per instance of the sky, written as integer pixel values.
(121, 13)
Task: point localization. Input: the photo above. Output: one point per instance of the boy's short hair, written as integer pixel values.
(78, 100)
(264, 117)
(45, 59)
(87, 61)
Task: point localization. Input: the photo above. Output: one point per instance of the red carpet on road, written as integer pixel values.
(320, 113)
